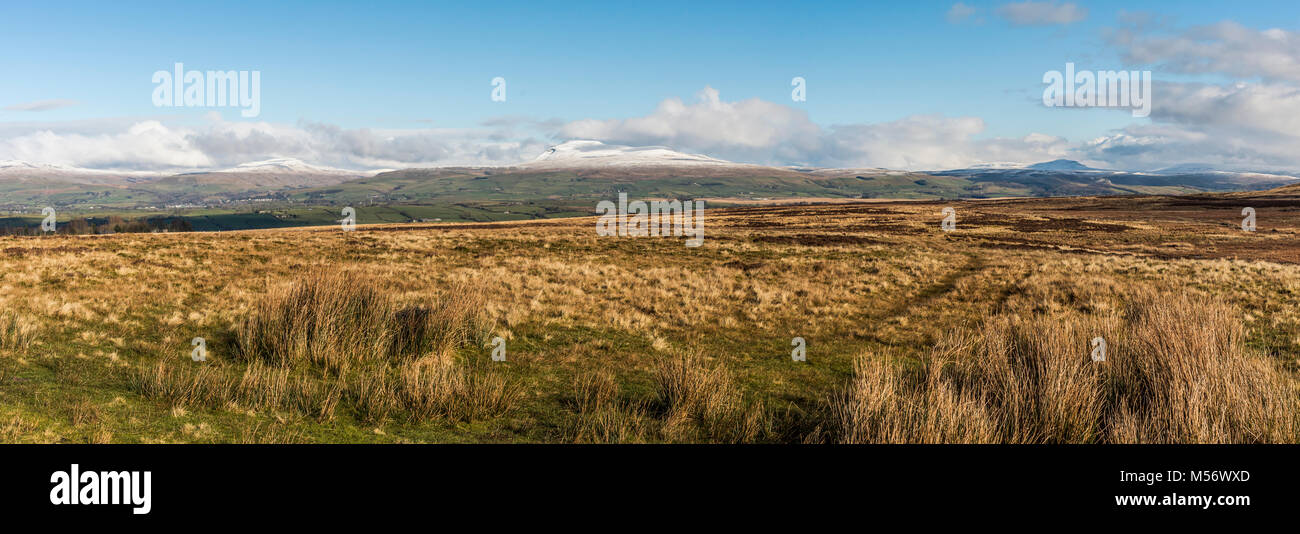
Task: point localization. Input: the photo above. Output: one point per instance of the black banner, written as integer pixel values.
(311, 483)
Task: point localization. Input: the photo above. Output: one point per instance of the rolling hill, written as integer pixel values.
(579, 173)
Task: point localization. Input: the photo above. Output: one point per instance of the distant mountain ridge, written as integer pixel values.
(583, 171)
(583, 153)
(1060, 165)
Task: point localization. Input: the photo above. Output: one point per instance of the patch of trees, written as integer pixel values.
(105, 225)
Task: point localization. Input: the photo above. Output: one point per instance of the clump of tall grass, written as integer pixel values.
(334, 339)
(602, 417)
(703, 402)
(1176, 371)
(694, 400)
(16, 332)
(338, 320)
(438, 387)
(1186, 376)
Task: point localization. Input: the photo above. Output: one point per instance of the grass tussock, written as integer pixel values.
(336, 321)
(16, 332)
(430, 388)
(602, 417)
(1176, 371)
(693, 400)
(440, 388)
(341, 340)
(703, 402)
(435, 387)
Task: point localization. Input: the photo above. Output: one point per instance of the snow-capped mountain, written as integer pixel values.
(597, 154)
(1060, 165)
(604, 167)
(273, 174)
(1183, 168)
(998, 165)
(279, 172)
(1057, 165)
(291, 166)
(24, 171)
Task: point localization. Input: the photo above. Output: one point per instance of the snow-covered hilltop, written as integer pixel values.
(24, 171)
(275, 171)
(598, 154)
(290, 166)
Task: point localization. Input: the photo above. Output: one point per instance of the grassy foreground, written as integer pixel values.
(913, 334)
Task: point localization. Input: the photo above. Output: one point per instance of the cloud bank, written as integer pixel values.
(153, 145)
(1250, 121)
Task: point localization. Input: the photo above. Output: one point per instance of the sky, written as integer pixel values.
(907, 85)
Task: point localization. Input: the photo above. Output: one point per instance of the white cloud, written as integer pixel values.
(933, 142)
(1241, 124)
(41, 105)
(153, 145)
(757, 131)
(1225, 48)
(749, 130)
(1042, 13)
(145, 145)
(1261, 108)
(1248, 126)
(752, 130)
(959, 13)
(1150, 146)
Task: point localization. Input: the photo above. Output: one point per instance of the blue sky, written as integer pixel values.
(406, 67)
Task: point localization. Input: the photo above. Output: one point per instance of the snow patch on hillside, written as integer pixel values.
(598, 154)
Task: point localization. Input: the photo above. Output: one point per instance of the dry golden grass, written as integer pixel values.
(337, 321)
(16, 332)
(703, 402)
(440, 388)
(258, 387)
(330, 338)
(979, 335)
(602, 417)
(694, 401)
(1176, 372)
